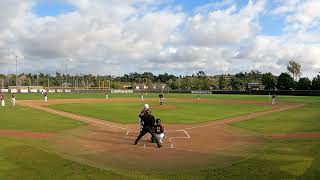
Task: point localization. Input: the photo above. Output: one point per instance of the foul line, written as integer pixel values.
(74, 116)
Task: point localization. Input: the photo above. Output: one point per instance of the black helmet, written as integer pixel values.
(158, 121)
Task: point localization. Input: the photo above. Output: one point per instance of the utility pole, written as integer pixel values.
(16, 70)
(66, 73)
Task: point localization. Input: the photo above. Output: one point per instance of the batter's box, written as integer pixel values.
(168, 141)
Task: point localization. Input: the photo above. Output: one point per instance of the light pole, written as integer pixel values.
(16, 71)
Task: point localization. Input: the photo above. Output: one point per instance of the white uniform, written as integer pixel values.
(45, 98)
(107, 96)
(13, 101)
(3, 103)
(142, 97)
(274, 99)
(160, 137)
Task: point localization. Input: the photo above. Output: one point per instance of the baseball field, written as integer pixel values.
(85, 136)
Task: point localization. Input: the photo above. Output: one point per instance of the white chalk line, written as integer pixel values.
(75, 116)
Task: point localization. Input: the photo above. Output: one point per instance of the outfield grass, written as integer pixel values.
(22, 159)
(28, 119)
(306, 119)
(295, 159)
(182, 112)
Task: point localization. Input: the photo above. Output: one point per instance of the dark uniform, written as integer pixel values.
(159, 129)
(148, 127)
(161, 99)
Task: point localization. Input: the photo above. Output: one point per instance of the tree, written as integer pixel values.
(285, 82)
(236, 84)
(201, 74)
(223, 84)
(268, 80)
(304, 84)
(316, 83)
(295, 69)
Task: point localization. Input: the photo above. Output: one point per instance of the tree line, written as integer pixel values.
(199, 81)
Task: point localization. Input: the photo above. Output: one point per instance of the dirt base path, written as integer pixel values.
(302, 135)
(103, 143)
(25, 134)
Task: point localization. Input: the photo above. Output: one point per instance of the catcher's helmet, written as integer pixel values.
(158, 121)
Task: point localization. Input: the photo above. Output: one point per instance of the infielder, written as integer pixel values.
(161, 99)
(2, 100)
(45, 97)
(13, 99)
(274, 99)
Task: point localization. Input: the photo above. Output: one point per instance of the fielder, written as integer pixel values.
(107, 96)
(274, 99)
(142, 99)
(45, 97)
(161, 99)
(13, 99)
(2, 100)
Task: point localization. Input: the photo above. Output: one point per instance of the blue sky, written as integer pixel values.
(52, 8)
(271, 25)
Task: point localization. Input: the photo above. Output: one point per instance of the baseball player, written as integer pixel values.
(2, 100)
(107, 96)
(142, 99)
(13, 99)
(198, 97)
(274, 99)
(159, 131)
(45, 97)
(161, 99)
(148, 127)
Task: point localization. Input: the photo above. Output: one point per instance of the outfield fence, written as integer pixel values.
(128, 91)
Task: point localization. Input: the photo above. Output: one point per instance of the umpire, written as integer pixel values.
(148, 121)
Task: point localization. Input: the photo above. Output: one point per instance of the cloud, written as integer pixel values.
(116, 37)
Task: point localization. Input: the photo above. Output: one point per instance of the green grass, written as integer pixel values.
(127, 112)
(278, 160)
(306, 119)
(28, 119)
(18, 159)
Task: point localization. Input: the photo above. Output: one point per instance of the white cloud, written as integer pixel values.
(116, 37)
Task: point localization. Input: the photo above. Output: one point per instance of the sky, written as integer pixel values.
(174, 36)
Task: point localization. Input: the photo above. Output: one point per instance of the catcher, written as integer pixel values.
(160, 134)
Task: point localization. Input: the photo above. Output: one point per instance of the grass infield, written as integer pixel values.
(178, 112)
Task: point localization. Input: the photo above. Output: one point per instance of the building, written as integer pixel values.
(255, 86)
